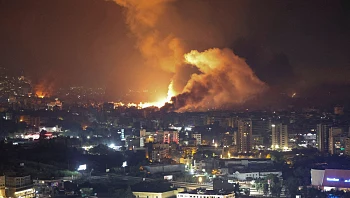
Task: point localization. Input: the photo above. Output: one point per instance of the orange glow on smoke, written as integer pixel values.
(225, 79)
(43, 89)
(41, 94)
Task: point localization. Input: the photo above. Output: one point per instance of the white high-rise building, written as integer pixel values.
(279, 136)
(198, 138)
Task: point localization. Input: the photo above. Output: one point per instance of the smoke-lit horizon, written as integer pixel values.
(289, 46)
(224, 78)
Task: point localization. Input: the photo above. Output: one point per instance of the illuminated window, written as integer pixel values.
(332, 179)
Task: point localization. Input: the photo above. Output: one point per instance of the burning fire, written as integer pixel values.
(224, 79)
(160, 103)
(40, 94)
(43, 88)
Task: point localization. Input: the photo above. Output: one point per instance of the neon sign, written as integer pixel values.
(347, 180)
(333, 179)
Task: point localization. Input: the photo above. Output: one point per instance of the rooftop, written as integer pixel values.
(207, 192)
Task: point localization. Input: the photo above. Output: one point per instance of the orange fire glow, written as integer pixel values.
(161, 102)
(40, 94)
(43, 88)
(224, 79)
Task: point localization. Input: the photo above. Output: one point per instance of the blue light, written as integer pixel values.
(333, 179)
(347, 180)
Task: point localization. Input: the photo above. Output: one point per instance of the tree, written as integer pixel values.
(259, 184)
(303, 174)
(101, 149)
(246, 191)
(313, 192)
(292, 185)
(276, 190)
(128, 193)
(266, 189)
(275, 185)
(237, 189)
(277, 157)
(42, 134)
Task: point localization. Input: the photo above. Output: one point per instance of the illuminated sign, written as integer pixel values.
(168, 177)
(125, 164)
(82, 167)
(332, 179)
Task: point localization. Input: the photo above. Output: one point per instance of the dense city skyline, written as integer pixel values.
(174, 98)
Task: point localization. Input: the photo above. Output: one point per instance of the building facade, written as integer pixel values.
(17, 187)
(244, 136)
(198, 138)
(322, 134)
(279, 136)
(205, 194)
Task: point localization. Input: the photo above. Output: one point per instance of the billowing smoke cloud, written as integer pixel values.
(163, 51)
(223, 80)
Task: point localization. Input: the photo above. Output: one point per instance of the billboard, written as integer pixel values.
(82, 167)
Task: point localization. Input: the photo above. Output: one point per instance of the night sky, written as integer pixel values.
(290, 45)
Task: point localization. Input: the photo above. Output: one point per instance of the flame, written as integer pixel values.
(43, 88)
(41, 94)
(160, 103)
(224, 79)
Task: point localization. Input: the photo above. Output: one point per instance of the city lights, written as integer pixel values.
(82, 167)
(332, 179)
(169, 98)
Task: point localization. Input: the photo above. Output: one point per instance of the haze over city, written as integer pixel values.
(253, 47)
(174, 98)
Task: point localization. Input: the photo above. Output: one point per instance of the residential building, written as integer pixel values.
(336, 140)
(205, 194)
(279, 136)
(258, 141)
(2, 187)
(165, 168)
(157, 152)
(170, 136)
(19, 187)
(165, 194)
(246, 162)
(198, 138)
(322, 133)
(347, 146)
(246, 175)
(244, 136)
